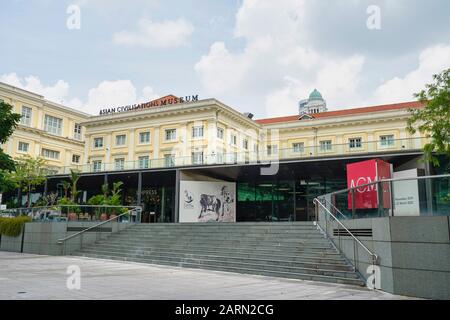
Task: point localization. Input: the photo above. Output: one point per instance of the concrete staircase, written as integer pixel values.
(286, 249)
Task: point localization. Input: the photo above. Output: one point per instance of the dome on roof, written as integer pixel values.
(315, 95)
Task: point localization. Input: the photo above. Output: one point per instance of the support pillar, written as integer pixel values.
(139, 189)
(177, 196)
(429, 189)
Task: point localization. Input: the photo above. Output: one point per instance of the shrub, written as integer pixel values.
(12, 227)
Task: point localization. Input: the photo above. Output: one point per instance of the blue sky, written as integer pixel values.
(258, 56)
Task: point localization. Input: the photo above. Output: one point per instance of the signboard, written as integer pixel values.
(406, 194)
(167, 100)
(364, 172)
(207, 201)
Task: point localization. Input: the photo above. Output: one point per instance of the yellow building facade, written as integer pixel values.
(195, 133)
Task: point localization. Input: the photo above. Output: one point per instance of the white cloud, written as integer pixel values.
(431, 61)
(168, 33)
(56, 92)
(106, 94)
(276, 63)
(117, 93)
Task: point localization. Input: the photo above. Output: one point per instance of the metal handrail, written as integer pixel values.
(61, 241)
(373, 255)
(261, 155)
(334, 207)
(389, 180)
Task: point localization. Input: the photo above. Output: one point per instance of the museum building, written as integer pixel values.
(186, 159)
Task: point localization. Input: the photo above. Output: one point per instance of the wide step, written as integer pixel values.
(288, 250)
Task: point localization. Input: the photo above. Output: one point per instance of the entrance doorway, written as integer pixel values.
(157, 204)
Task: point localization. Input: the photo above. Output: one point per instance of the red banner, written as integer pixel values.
(360, 173)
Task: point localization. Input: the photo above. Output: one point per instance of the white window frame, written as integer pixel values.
(325, 145)
(272, 149)
(119, 163)
(21, 143)
(76, 155)
(97, 165)
(197, 157)
(122, 138)
(144, 134)
(197, 132)
(355, 143)
(95, 146)
(298, 147)
(144, 162)
(220, 133)
(170, 134)
(233, 139)
(77, 131)
(387, 141)
(47, 153)
(245, 144)
(53, 125)
(27, 113)
(169, 160)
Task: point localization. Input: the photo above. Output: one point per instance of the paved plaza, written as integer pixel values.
(28, 276)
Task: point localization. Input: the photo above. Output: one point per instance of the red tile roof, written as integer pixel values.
(346, 112)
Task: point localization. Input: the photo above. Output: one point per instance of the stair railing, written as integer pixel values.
(80, 234)
(318, 204)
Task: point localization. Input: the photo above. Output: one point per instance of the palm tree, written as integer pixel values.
(74, 177)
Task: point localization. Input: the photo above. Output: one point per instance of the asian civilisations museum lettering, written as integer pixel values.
(155, 103)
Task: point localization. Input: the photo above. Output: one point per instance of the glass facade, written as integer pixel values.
(284, 200)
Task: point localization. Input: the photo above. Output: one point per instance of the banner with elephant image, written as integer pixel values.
(207, 201)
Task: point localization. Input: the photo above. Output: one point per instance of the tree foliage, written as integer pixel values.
(434, 119)
(8, 122)
(28, 174)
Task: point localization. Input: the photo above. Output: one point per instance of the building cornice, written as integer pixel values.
(45, 134)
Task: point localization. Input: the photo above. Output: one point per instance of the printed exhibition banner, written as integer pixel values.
(207, 201)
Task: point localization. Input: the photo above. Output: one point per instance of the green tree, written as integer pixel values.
(28, 174)
(434, 119)
(8, 122)
(74, 177)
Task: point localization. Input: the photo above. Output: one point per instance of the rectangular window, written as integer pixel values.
(169, 160)
(255, 148)
(271, 150)
(171, 134)
(298, 147)
(52, 125)
(144, 137)
(233, 157)
(97, 165)
(26, 116)
(219, 157)
(98, 143)
(144, 162)
(325, 145)
(121, 140)
(75, 158)
(245, 144)
(23, 146)
(77, 131)
(387, 140)
(220, 132)
(119, 163)
(233, 139)
(197, 132)
(50, 154)
(197, 157)
(355, 143)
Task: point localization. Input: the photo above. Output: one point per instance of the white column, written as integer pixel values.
(156, 143)
(40, 121)
(211, 140)
(87, 144)
(131, 134)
